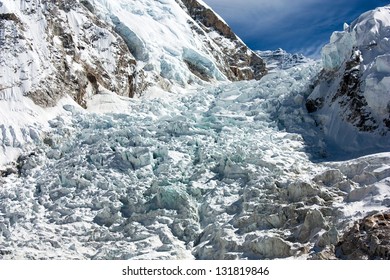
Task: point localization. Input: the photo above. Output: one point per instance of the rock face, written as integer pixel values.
(351, 101)
(367, 239)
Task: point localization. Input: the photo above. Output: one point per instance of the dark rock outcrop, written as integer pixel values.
(368, 238)
(208, 18)
(9, 16)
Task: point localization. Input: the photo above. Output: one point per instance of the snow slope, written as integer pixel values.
(171, 37)
(159, 37)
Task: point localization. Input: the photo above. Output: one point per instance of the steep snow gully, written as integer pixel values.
(220, 170)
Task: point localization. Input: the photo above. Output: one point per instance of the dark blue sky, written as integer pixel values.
(302, 26)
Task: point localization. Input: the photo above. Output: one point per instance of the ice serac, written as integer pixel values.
(352, 100)
(213, 171)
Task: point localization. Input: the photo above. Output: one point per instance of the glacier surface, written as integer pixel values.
(231, 171)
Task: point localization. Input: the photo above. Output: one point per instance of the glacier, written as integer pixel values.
(222, 172)
(197, 165)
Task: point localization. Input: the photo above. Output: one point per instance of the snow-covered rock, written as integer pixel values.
(237, 61)
(351, 101)
(59, 49)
